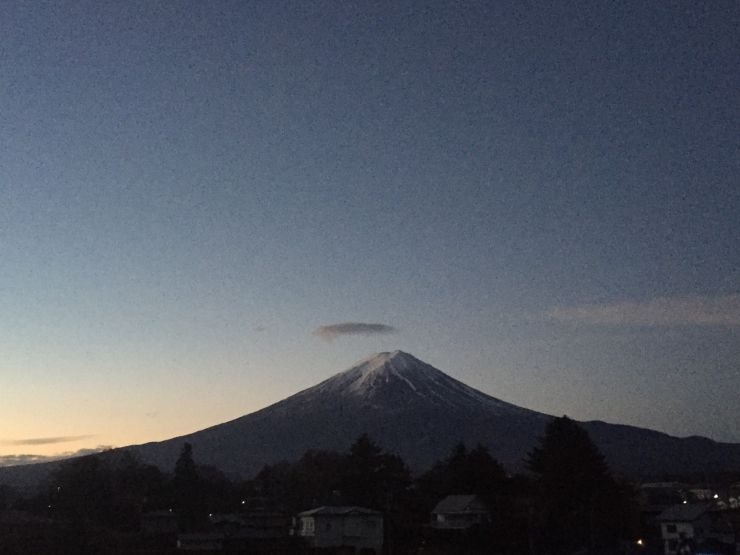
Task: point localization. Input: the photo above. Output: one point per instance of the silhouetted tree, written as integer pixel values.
(219, 492)
(464, 472)
(132, 484)
(189, 499)
(578, 502)
(100, 492)
(82, 490)
(316, 479)
(365, 476)
(273, 481)
(372, 478)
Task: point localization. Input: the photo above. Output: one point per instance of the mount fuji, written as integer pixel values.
(412, 409)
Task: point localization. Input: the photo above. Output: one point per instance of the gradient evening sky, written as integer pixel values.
(541, 198)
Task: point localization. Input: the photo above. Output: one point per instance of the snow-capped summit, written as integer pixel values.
(365, 378)
(394, 380)
(381, 368)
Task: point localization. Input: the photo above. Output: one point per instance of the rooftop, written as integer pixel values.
(460, 504)
(339, 511)
(685, 512)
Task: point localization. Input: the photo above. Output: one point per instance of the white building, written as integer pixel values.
(689, 527)
(350, 527)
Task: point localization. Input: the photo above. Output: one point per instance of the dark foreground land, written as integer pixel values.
(567, 503)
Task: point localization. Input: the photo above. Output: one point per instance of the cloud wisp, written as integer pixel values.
(45, 440)
(698, 310)
(18, 459)
(332, 331)
(13, 460)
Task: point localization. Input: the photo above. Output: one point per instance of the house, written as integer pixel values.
(697, 527)
(459, 512)
(356, 529)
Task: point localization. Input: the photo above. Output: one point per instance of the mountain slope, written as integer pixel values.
(419, 412)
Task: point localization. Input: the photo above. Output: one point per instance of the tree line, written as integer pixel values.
(567, 500)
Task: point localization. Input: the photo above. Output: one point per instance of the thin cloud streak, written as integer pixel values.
(332, 331)
(698, 310)
(46, 440)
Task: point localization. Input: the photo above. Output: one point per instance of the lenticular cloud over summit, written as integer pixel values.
(332, 331)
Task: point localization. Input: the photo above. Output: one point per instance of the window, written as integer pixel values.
(670, 528)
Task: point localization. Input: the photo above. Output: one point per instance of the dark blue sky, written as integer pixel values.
(542, 199)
